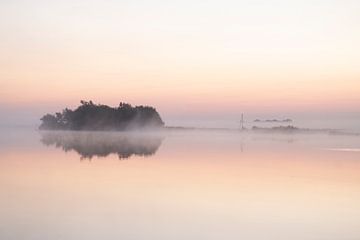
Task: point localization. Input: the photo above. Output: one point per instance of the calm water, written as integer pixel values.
(179, 185)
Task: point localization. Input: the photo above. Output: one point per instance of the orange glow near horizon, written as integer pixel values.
(194, 95)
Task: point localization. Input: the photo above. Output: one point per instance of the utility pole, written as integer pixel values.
(242, 122)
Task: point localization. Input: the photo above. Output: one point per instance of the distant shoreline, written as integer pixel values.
(279, 129)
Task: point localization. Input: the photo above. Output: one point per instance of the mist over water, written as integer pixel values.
(179, 185)
(349, 122)
(179, 120)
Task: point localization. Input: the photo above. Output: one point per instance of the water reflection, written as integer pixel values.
(276, 189)
(102, 144)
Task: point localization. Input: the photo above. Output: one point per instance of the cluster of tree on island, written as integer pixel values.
(273, 120)
(90, 116)
(288, 128)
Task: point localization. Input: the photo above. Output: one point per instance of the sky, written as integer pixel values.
(192, 60)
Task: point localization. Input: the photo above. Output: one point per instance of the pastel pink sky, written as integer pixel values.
(184, 58)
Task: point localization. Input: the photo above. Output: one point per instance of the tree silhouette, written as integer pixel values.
(90, 116)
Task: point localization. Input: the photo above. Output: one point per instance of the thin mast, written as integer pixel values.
(242, 122)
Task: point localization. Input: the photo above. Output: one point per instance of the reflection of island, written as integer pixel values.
(273, 120)
(101, 144)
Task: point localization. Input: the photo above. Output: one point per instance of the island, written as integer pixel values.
(287, 129)
(98, 117)
(274, 120)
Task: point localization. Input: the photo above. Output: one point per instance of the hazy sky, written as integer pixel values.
(187, 58)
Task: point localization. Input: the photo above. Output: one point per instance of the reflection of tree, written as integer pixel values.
(101, 144)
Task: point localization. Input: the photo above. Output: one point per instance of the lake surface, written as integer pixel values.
(179, 185)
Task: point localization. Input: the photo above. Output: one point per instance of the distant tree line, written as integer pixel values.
(90, 116)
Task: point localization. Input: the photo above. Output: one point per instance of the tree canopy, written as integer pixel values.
(90, 116)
